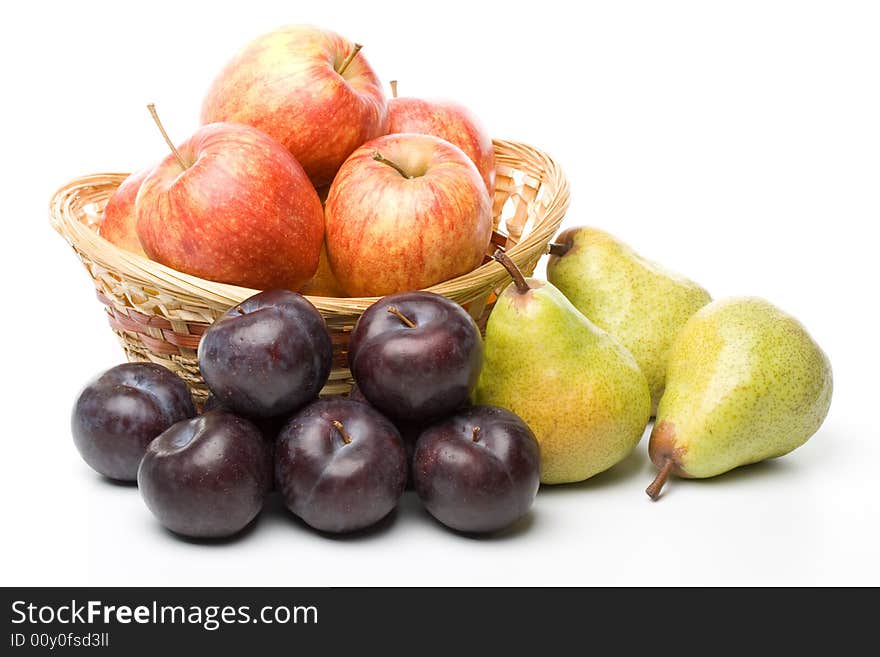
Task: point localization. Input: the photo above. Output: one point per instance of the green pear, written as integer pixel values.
(581, 392)
(637, 301)
(745, 382)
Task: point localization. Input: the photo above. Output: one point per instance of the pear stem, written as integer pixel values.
(155, 115)
(351, 56)
(393, 84)
(656, 486)
(399, 315)
(558, 248)
(394, 165)
(342, 432)
(519, 280)
(476, 435)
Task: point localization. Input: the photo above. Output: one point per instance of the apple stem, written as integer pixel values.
(384, 160)
(342, 432)
(155, 115)
(656, 486)
(351, 56)
(558, 248)
(519, 280)
(476, 435)
(393, 84)
(399, 315)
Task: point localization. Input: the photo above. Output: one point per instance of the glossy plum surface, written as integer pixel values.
(340, 465)
(409, 433)
(207, 477)
(421, 372)
(270, 427)
(478, 470)
(267, 356)
(118, 413)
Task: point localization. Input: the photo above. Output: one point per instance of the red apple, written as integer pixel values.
(404, 212)
(447, 120)
(307, 88)
(118, 225)
(323, 283)
(234, 206)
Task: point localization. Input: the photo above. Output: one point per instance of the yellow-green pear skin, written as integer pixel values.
(637, 301)
(745, 383)
(578, 388)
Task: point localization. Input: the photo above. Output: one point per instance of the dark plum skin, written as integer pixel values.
(267, 356)
(270, 427)
(334, 485)
(419, 373)
(118, 413)
(207, 477)
(409, 433)
(478, 470)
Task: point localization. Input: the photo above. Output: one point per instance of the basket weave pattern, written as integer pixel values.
(159, 314)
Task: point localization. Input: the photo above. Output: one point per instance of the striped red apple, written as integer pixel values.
(118, 225)
(309, 89)
(404, 212)
(232, 205)
(447, 120)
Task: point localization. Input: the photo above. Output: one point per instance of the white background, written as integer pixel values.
(737, 142)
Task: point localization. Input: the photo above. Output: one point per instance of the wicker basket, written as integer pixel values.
(159, 314)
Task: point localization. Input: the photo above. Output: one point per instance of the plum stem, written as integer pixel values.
(558, 248)
(394, 165)
(351, 56)
(240, 310)
(393, 84)
(155, 115)
(519, 280)
(476, 435)
(656, 486)
(399, 315)
(342, 432)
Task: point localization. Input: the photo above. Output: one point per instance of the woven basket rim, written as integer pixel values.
(86, 240)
